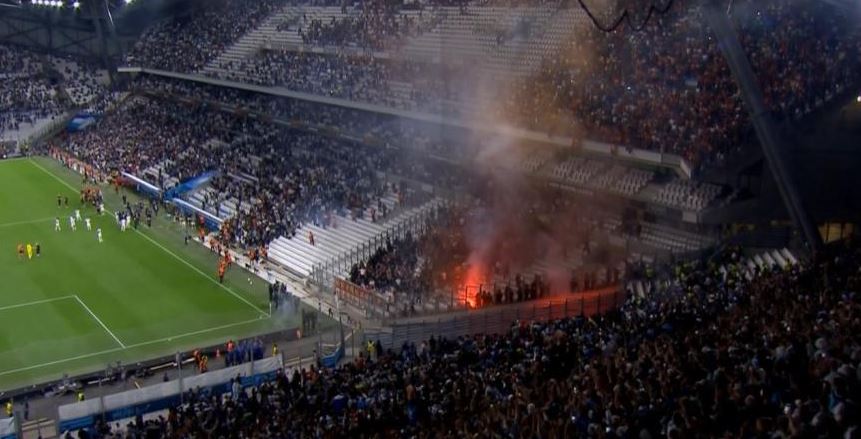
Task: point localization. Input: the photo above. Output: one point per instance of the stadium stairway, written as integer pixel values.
(333, 243)
(251, 42)
(87, 87)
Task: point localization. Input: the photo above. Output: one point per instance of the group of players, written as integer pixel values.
(73, 223)
(29, 250)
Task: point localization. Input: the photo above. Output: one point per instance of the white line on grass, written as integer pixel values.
(37, 302)
(100, 321)
(14, 159)
(224, 287)
(132, 346)
(21, 223)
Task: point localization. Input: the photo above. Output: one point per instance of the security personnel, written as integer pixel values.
(81, 396)
(9, 408)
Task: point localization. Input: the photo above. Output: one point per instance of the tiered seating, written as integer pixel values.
(622, 180)
(298, 255)
(687, 195)
(576, 170)
(81, 83)
(187, 44)
(503, 40)
(673, 240)
(631, 182)
(28, 99)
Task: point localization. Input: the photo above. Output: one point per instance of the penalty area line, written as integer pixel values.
(21, 223)
(37, 302)
(103, 325)
(177, 257)
(131, 346)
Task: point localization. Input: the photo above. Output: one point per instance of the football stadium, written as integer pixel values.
(432, 218)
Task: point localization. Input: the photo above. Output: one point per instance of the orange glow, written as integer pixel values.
(473, 280)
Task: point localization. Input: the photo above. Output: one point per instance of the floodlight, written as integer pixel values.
(76, 4)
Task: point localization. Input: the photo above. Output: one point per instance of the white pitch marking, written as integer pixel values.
(21, 223)
(100, 321)
(132, 346)
(37, 302)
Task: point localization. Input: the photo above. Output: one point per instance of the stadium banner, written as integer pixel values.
(161, 396)
(359, 297)
(142, 185)
(191, 184)
(332, 359)
(80, 122)
(7, 428)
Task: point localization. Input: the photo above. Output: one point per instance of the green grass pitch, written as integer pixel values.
(82, 304)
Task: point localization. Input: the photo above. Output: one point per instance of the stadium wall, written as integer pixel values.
(7, 428)
(161, 396)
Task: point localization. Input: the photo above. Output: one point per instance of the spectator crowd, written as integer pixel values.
(186, 44)
(718, 352)
(26, 94)
(665, 88)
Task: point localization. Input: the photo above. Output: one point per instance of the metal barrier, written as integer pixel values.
(495, 320)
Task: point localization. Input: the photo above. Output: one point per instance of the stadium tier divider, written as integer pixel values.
(149, 399)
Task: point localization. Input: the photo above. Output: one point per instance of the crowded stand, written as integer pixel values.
(269, 182)
(26, 95)
(442, 262)
(799, 74)
(600, 84)
(378, 27)
(83, 83)
(186, 44)
(146, 133)
(420, 153)
(417, 266)
(715, 353)
(479, 199)
(355, 77)
(307, 178)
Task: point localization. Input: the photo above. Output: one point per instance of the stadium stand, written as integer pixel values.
(715, 350)
(27, 98)
(186, 44)
(732, 343)
(84, 84)
(563, 78)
